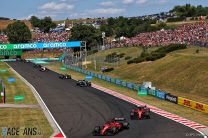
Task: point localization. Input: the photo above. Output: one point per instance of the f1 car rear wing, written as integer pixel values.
(119, 119)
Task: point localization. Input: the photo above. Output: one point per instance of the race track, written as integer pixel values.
(78, 110)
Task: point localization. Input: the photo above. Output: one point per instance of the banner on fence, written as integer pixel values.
(99, 76)
(193, 104)
(151, 92)
(130, 85)
(118, 82)
(107, 78)
(113, 80)
(103, 77)
(160, 94)
(124, 83)
(171, 98)
(136, 87)
(142, 91)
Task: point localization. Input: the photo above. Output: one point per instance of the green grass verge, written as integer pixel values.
(17, 88)
(25, 118)
(170, 107)
(13, 117)
(182, 73)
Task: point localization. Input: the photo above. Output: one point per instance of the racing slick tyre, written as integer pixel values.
(126, 125)
(110, 132)
(132, 117)
(96, 131)
(148, 117)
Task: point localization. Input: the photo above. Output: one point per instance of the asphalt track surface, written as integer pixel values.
(78, 110)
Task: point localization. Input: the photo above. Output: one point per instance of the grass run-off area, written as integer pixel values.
(183, 73)
(21, 117)
(170, 107)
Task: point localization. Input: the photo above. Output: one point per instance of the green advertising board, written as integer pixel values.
(10, 52)
(40, 45)
(19, 98)
(63, 68)
(3, 70)
(142, 91)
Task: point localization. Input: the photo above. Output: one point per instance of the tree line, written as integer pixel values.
(44, 24)
(189, 10)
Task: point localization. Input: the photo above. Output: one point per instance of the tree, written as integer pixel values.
(35, 21)
(107, 29)
(91, 35)
(44, 24)
(190, 11)
(47, 24)
(18, 32)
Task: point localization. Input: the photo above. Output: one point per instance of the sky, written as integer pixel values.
(75, 9)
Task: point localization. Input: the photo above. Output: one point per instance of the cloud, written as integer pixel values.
(141, 1)
(107, 3)
(53, 6)
(108, 11)
(26, 18)
(163, 1)
(128, 1)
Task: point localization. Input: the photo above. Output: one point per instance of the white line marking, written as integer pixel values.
(129, 99)
(41, 101)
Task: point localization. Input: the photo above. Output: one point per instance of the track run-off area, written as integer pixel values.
(78, 110)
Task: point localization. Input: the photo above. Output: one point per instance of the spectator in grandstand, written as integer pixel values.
(191, 34)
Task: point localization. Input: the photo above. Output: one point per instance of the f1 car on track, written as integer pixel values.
(21, 59)
(140, 112)
(37, 66)
(83, 83)
(43, 69)
(65, 76)
(111, 127)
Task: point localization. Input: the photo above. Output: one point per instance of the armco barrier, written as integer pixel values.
(193, 104)
(171, 98)
(156, 93)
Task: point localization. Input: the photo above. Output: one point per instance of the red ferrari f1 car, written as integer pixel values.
(140, 112)
(111, 127)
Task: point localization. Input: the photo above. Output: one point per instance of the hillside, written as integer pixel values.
(5, 23)
(183, 73)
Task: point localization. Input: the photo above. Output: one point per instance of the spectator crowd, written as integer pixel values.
(191, 34)
(51, 37)
(3, 39)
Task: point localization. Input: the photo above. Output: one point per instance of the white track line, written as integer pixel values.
(40, 99)
(158, 111)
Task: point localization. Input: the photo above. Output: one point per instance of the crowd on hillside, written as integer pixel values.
(3, 39)
(191, 34)
(43, 37)
(194, 34)
(51, 37)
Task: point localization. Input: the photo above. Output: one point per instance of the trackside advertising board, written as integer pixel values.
(40, 45)
(160, 94)
(193, 104)
(142, 91)
(151, 92)
(171, 98)
(10, 52)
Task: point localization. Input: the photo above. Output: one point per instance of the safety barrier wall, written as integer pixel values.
(156, 93)
(193, 104)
